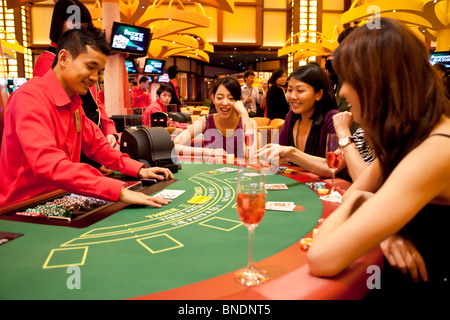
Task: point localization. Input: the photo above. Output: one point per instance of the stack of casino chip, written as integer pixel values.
(64, 207)
(86, 203)
(77, 203)
(51, 210)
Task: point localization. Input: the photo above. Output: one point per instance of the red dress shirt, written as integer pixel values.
(101, 97)
(140, 98)
(156, 106)
(44, 63)
(41, 146)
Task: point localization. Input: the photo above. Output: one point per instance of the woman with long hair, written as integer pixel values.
(229, 131)
(276, 103)
(303, 136)
(401, 104)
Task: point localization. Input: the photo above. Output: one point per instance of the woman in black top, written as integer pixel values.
(404, 195)
(277, 105)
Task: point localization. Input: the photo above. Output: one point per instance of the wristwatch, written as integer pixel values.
(345, 141)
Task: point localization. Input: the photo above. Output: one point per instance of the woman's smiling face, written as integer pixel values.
(224, 101)
(302, 97)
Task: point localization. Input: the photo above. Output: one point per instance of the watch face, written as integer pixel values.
(343, 141)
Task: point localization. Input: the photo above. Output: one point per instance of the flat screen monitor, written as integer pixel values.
(154, 66)
(440, 57)
(14, 84)
(130, 39)
(163, 78)
(131, 66)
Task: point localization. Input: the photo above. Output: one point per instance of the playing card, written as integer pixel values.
(169, 194)
(280, 206)
(279, 186)
(252, 174)
(227, 169)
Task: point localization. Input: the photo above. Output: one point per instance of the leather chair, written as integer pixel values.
(270, 131)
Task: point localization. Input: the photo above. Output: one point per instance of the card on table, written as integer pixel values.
(227, 169)
(280, 206)
(278, 186)
(199, 200)
(252, 174)
(169, 194)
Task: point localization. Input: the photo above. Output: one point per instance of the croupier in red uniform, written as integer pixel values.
(46, 129)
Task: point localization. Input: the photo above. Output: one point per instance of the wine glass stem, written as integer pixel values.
(250, 259)
(332, 181)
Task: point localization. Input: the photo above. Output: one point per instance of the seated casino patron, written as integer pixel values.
(46, 129)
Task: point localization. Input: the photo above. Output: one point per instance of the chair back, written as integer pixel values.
(261, 121)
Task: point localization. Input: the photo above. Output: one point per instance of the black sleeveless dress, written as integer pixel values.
(429, 231)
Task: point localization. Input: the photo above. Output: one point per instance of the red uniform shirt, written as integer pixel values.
(41, 146)
(156, 106)
(140, 98)
(44, 63)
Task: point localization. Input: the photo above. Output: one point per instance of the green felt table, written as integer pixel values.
(143, 250)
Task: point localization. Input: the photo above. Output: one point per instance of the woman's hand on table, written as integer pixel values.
(275, 154)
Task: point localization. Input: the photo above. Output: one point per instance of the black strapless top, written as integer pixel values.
(429, 231)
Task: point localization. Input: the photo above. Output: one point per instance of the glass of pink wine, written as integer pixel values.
(334, 160)
(251, 206)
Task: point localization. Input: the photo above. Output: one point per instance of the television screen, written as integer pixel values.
(131, 66)
(440, 57)
(130, 39)
(14, 84)
(164, 78)
(153, 66)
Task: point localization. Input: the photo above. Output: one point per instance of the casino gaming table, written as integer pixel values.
(180, 251)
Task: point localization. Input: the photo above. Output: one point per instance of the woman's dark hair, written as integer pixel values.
(76, 40)
(231, 84)
(313, 75)
(172, 72)
(277, 73)
(62, 12)
(401, 97)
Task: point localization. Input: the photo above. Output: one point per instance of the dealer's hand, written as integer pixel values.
(133, 197)
(146, 173)
(112, 140)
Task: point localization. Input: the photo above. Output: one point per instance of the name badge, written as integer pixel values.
(77, 120)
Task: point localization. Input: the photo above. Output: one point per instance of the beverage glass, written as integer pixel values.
(251, 206)
(334, 160)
